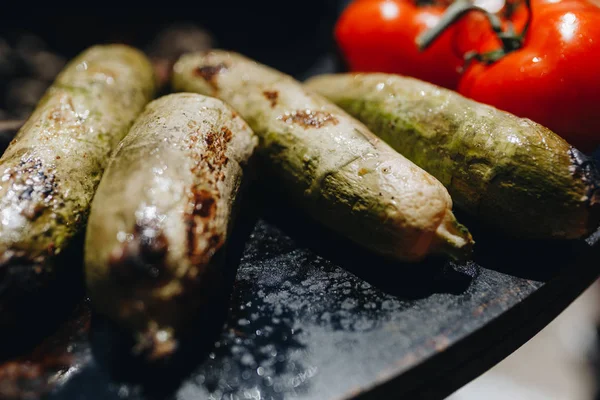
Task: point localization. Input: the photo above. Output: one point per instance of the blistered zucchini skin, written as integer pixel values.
(330, 164)
(162, 211)
(49, 172)
(510, 172)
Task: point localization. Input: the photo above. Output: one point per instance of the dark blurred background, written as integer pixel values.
(35, 44)
(289, 35)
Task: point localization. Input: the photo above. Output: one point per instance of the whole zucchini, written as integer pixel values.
(510, 172)
(162, 211)
(330, 164)
(51, 169)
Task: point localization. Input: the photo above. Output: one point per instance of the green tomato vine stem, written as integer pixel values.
(510, 40)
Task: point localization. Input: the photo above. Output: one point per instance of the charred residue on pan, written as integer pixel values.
(51, 362)
(210, 72)
(272, 96)
(309, 118)
(586, 168)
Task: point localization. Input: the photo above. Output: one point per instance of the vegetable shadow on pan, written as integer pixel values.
(403, 280)
(538, 260)
(33, 313)
(111, 347)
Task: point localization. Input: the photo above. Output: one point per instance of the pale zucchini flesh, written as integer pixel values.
(162, 211)
(50, 170)
(510, 172)
(330, 164)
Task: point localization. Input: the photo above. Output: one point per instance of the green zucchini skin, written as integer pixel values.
(162, 212)
(328, 163)
(50, 170)
(510, 172)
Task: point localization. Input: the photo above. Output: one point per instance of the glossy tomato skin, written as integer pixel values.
(473, 29)
(469, 33)
(379, 36)
(554, 79)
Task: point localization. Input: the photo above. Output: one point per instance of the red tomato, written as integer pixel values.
(554, 78)
(379, 36)
(469, 33)
(474, 28)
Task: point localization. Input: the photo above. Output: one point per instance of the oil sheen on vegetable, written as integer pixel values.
(328, 163)
(510, 172)
(161, 217)
(51, 169)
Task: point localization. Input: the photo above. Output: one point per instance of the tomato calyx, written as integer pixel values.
(505, 33)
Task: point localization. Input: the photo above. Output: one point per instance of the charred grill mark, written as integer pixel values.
(209, 73)
(309, 118)
(204, 204)
(212, 138)
(587, 169)
(215, 240)
(32, 185)
(271, 96)
(143, 258)
(203, 236)
(213, 159)
(33, 212)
